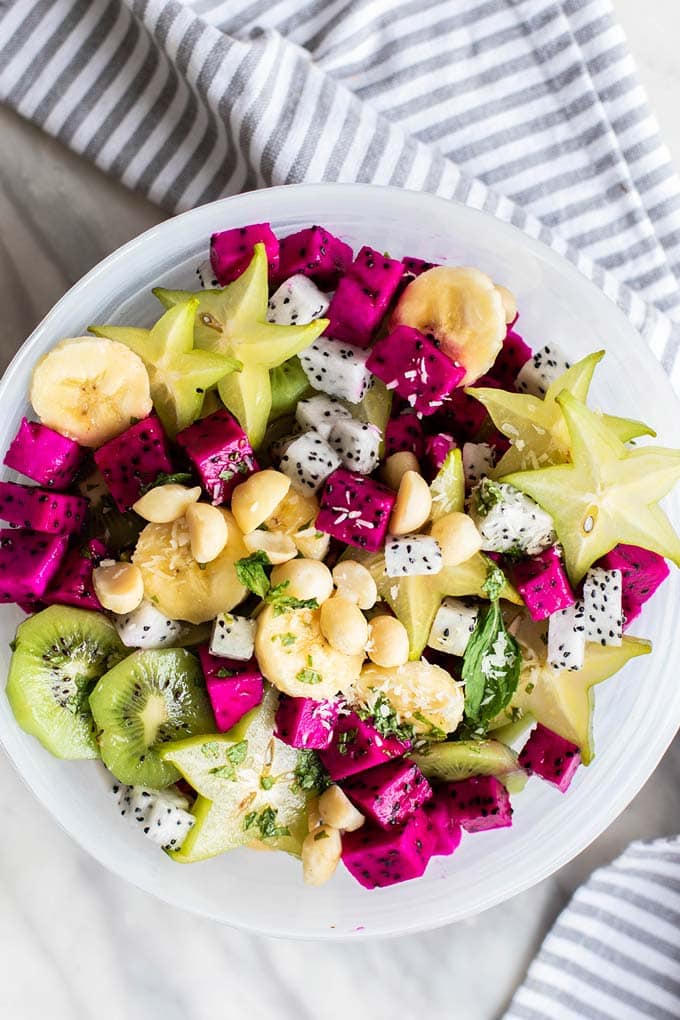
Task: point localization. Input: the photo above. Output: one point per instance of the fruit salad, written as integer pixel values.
(327, 560)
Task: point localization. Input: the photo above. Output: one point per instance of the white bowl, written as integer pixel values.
(638, 711)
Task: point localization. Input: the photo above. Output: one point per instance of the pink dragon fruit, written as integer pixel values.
(219, 450)
(303, 722)
(27, 506)
(362, 297)
(462, 415)
(356, 746)
(437, 449)
(355, 509)
(389, 794)
(478, 803)
(447, 832)
(314, 252)
(551, 757)
(232, 250)
(28, 562)
(542, 582)
(409, 363)
(233, 687)
(73, 584)
(379, 857)
(404, 433)
(513, 355)
(414, 267)
(642, 572)
(44, 455)
(133, 460)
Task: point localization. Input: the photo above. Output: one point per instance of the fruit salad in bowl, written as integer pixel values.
(327, 559)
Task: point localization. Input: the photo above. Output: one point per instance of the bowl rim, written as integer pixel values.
(627, 790)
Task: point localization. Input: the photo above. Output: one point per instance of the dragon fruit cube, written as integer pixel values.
(297, 302)
(389, 794)
(303, 722)
(355, 509)
(147, 627)
(463, 415)
(512, 357)
(234, 688)
(551, 757)
(408, 362)
(362, 297)
(44, 455)
(26, 506)
(320, 413)
(73, 584)
(133, 460)
(29, 561)
(602, 604)
(437, 448)
(379, 857)
(542, 582)
(337, 369)
(416, 267)
(447, 832)
(404, 433)
(308, 460)
(642, 572)
(567, 638)
(478, 803)
(231, 251)
(412, 556)
(357, 444)
(357, 746)
(541, 371)
(478, 462)
(219, 449)
(316, 253)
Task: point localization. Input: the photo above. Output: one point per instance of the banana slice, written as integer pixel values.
(294, 513)
(462, 309)
(294, 655)
(90, 390)
(422, 694)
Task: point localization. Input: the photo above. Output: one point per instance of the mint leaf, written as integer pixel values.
(283, 603)
(491, 667)
(235, 755)
(309, 676)
(251, 573)
(265, 823)
(385, 719)
(179, 478)
(309, 773)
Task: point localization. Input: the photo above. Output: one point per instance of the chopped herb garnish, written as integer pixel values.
(321, 835)
(309, 773)
(495, 581)
(385, 720)
(179, 478)
(529, 688)
(266, 782)
(286, 639)
(224, 673)
(283, 603)
(265, 822)
(251, 573)
(309, 676)
(488, 495)
(433, 732)
(346, 739)
(235, 755)
(211, 749)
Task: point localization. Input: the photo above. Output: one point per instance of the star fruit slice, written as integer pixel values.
(232, 321)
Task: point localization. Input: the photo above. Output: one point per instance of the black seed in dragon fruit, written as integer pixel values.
(478, 803)
(308, 461)
(543, 584)
(72, 585)
(147, 627)
(550, 756)
(231, 251)
(447, 832)
(54, 513)
(389, 794)
(437, 448)
(29, 560)
(362, 297)
(45, 456)
(320, 413)
(545, 368)
(642, 572)
(416, 267)
(338, 369)
(219, 449)
(355, 509)
(316, 253)
(412, 556)
(378, 857)
(567, 638)
(133, 460)
(602, 603)
(297, 302)
(512, 357)
(357, 444)
(234, 688)
(356, 746)
(404, 433)
(413, 366)
(305, 723)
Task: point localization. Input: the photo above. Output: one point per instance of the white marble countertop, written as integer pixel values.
(79, 943)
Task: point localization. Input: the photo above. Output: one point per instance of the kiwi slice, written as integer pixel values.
(460, 759)
(149, 698)
(59, 654)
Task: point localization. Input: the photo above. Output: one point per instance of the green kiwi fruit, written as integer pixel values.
(453, 760)
(59, 654)
(149, 698)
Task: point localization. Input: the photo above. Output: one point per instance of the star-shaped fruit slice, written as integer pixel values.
(245, 785)
(232, 321)
(608, 494)
(536, 428)
(179, 375)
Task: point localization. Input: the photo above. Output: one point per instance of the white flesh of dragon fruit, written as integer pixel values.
(452, 626)
(297, 302)
(478, 461)
(320, 413)
(308, 461)
(206, 276)
(337, 368)
(509, 521)
(146, 627)
(411, 555)
(357, 444)
(167, 825)
(233, 637)
(538, 374)
(602, 603)
(162, 815)
(567, 638)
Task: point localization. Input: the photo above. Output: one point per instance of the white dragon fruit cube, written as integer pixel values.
(540, 372)
(602, 602)
(308, 461)
(233, 637)
(320, 413)
(357, 444)
(478, 461)
(337, 368)
(567, 638)
(146, 627)
(297, 302)
(168, 825)
(452, 626)
(412, 555)
(508, 520)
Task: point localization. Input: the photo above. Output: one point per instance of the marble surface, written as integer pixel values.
(77, 942)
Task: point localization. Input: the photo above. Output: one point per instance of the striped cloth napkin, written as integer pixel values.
(530, 109)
